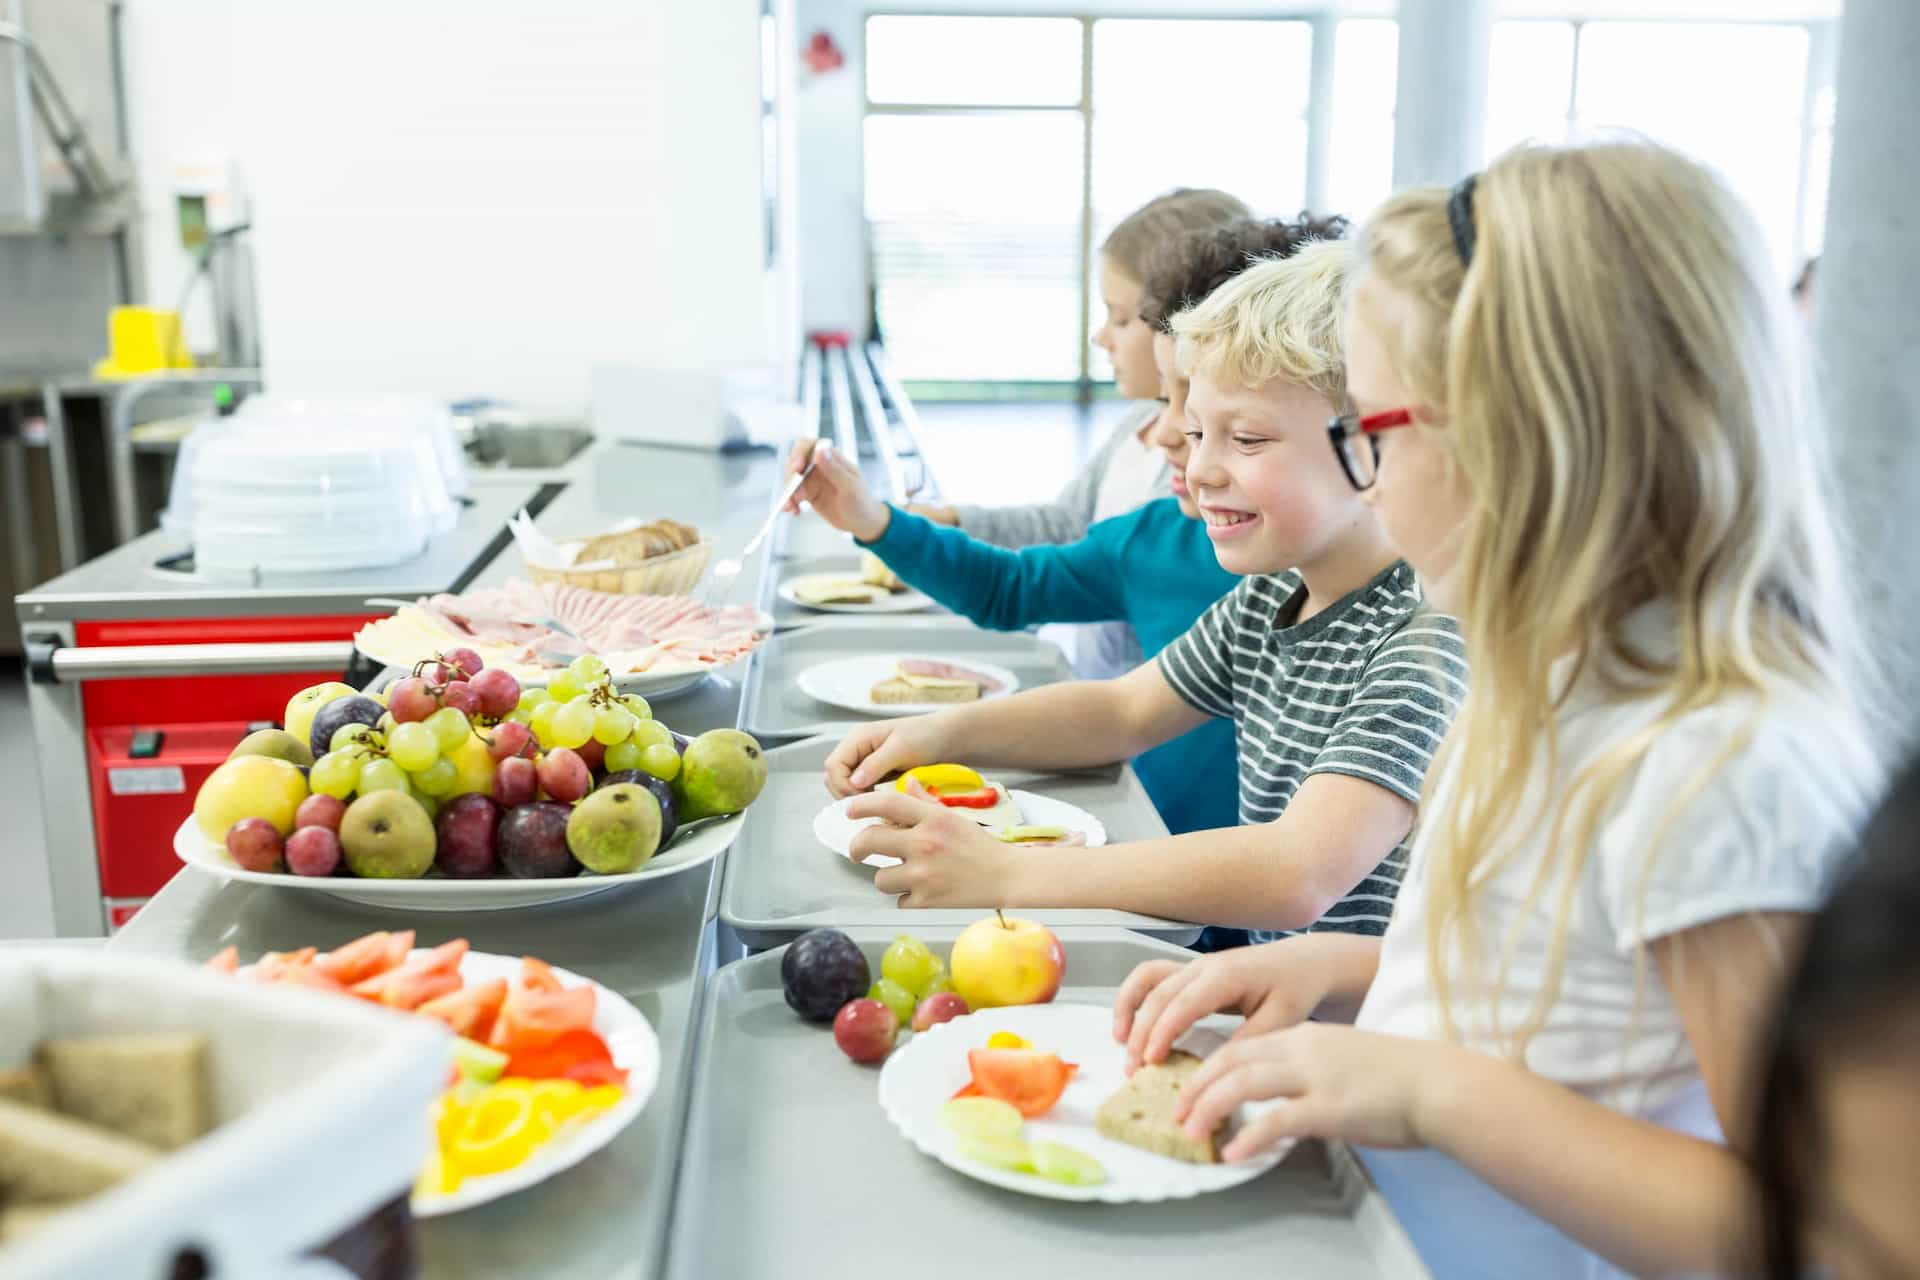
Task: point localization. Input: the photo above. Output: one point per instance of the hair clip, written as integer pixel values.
(1460, 217)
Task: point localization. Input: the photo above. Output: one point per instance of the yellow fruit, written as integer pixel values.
(249, 787)
(473, 769)
(1001, 961)
(302, 706)
(942, 778)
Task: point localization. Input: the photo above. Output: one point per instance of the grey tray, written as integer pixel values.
(772, 705)
(789, 1169)
(780, 881)
(788, 615)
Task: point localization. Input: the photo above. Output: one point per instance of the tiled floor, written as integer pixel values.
(985, 453)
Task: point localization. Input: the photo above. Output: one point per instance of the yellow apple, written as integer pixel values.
(473, 768)
(304, 705)
(1000, 961)
(249, 787)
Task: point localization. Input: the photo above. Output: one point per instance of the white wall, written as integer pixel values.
(471, 197)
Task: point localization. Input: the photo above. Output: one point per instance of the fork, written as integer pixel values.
(720, 585)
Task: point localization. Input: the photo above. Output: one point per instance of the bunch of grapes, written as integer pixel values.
(427, 721)
(581, 711)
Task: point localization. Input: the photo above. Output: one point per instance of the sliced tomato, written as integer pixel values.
(984, 798)
(471, 1010)
(419, 980)
(579, 1055)
(538, 1009)
(225, 961)
(1030, 1080)
(366, 957)
(968, 1090)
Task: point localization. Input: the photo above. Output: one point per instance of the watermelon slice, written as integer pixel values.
(418, 980)
(366, 957)
(539, 1010)
(471, 1010)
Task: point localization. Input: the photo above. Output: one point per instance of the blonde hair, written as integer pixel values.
(1130, 244)
(1280, 318)
(1617, 376)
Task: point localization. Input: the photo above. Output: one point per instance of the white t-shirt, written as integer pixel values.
(1136, 474)
(1767, 834)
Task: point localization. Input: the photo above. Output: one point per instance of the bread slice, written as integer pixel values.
(151, 1088)
(1140, 1113)
(26, 1084)
(893, 691)
(874, 571)
(17, 1221)
(44, 1156)
(658, 538)
(838, 591)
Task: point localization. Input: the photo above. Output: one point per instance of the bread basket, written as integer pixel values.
(673, 574)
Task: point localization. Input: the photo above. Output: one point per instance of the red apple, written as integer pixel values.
(1001, 961)
(865, 1029)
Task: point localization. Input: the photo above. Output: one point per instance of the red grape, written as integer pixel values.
(313, 851)
(460, 695)
(466, 661)
(319, 810)
(564, 775)
(510, 738)
(411, 699)
(466, 833)
(515, 782)
(254, 845)
(499, 691)
(594, 753)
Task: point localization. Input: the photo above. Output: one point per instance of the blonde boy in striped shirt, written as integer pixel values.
(1339, 680)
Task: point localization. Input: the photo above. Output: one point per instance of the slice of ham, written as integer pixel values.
(651, 628)
(947, 671)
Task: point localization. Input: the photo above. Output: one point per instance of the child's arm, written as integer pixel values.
(1283, 874)
(1078, 724)
(1651, 1200)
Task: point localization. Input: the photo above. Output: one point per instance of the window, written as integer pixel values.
(1366, 72)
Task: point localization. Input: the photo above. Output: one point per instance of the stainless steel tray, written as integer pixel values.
(772, 705)
(780, 881)
(788, 615)
(789, 1169)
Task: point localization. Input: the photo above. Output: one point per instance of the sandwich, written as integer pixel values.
(874, 572)
(1048, 836)
(837, 591)
(926, 680)
(1140, 1113)
(964, 791)
(151, 1088)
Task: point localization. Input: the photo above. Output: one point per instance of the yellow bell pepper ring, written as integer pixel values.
(498, 1132)
(1008, 1040)
(942, 778)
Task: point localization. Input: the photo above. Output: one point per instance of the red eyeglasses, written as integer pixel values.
(1356, 440)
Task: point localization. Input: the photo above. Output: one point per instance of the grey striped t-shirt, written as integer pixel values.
(1365, 687)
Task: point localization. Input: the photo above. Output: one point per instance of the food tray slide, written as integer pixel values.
(772, 705)
(780, 881)
(318, 1103)
(784, 1134)
(787, 615)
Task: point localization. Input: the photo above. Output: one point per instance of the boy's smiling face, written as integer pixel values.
(1265, 478)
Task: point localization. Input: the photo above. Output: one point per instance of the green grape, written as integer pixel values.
(437, 778)
(414, 746)
(587, 669)
(524, 717)
(541, 722)
(622, 756)
(572, 725)
(662, 762)
(430, 803)
(612, 724)
(908, 962)
(563, 687)
(349, 733)
(531, 698)
(334, 774)
(938, 985)
(895, 997)
(637, 705)
(385, 726)
(449, 726)
(651, 733)
(381, 774)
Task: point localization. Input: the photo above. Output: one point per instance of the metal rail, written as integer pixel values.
(810, 388)
(76, 664)
(846, 437)
(875, 414)
(904, 414)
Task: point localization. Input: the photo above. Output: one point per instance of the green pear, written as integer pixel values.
(721, 772)
(615, 830)
(277, 743)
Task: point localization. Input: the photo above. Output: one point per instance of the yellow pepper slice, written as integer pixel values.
(557, 1100)
(498, 1132)
(439, 1177)
(940, 778)
(1008, 1040)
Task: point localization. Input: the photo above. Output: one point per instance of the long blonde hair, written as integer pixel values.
(1616, 375)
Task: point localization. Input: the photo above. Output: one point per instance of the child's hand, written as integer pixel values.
(837, 490)
(871, 752)
(1272, 986)
(946, 860)
(1339, 1083)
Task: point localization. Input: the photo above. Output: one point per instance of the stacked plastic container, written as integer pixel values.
(316, 486)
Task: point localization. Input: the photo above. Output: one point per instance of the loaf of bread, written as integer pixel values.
(1140, 1113)
(657, 538)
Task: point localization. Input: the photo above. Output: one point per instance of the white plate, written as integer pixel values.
(835, 829)
(697, 844)
(635, 1049)
(923, 1074)
(847, 682)
(908, 601)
